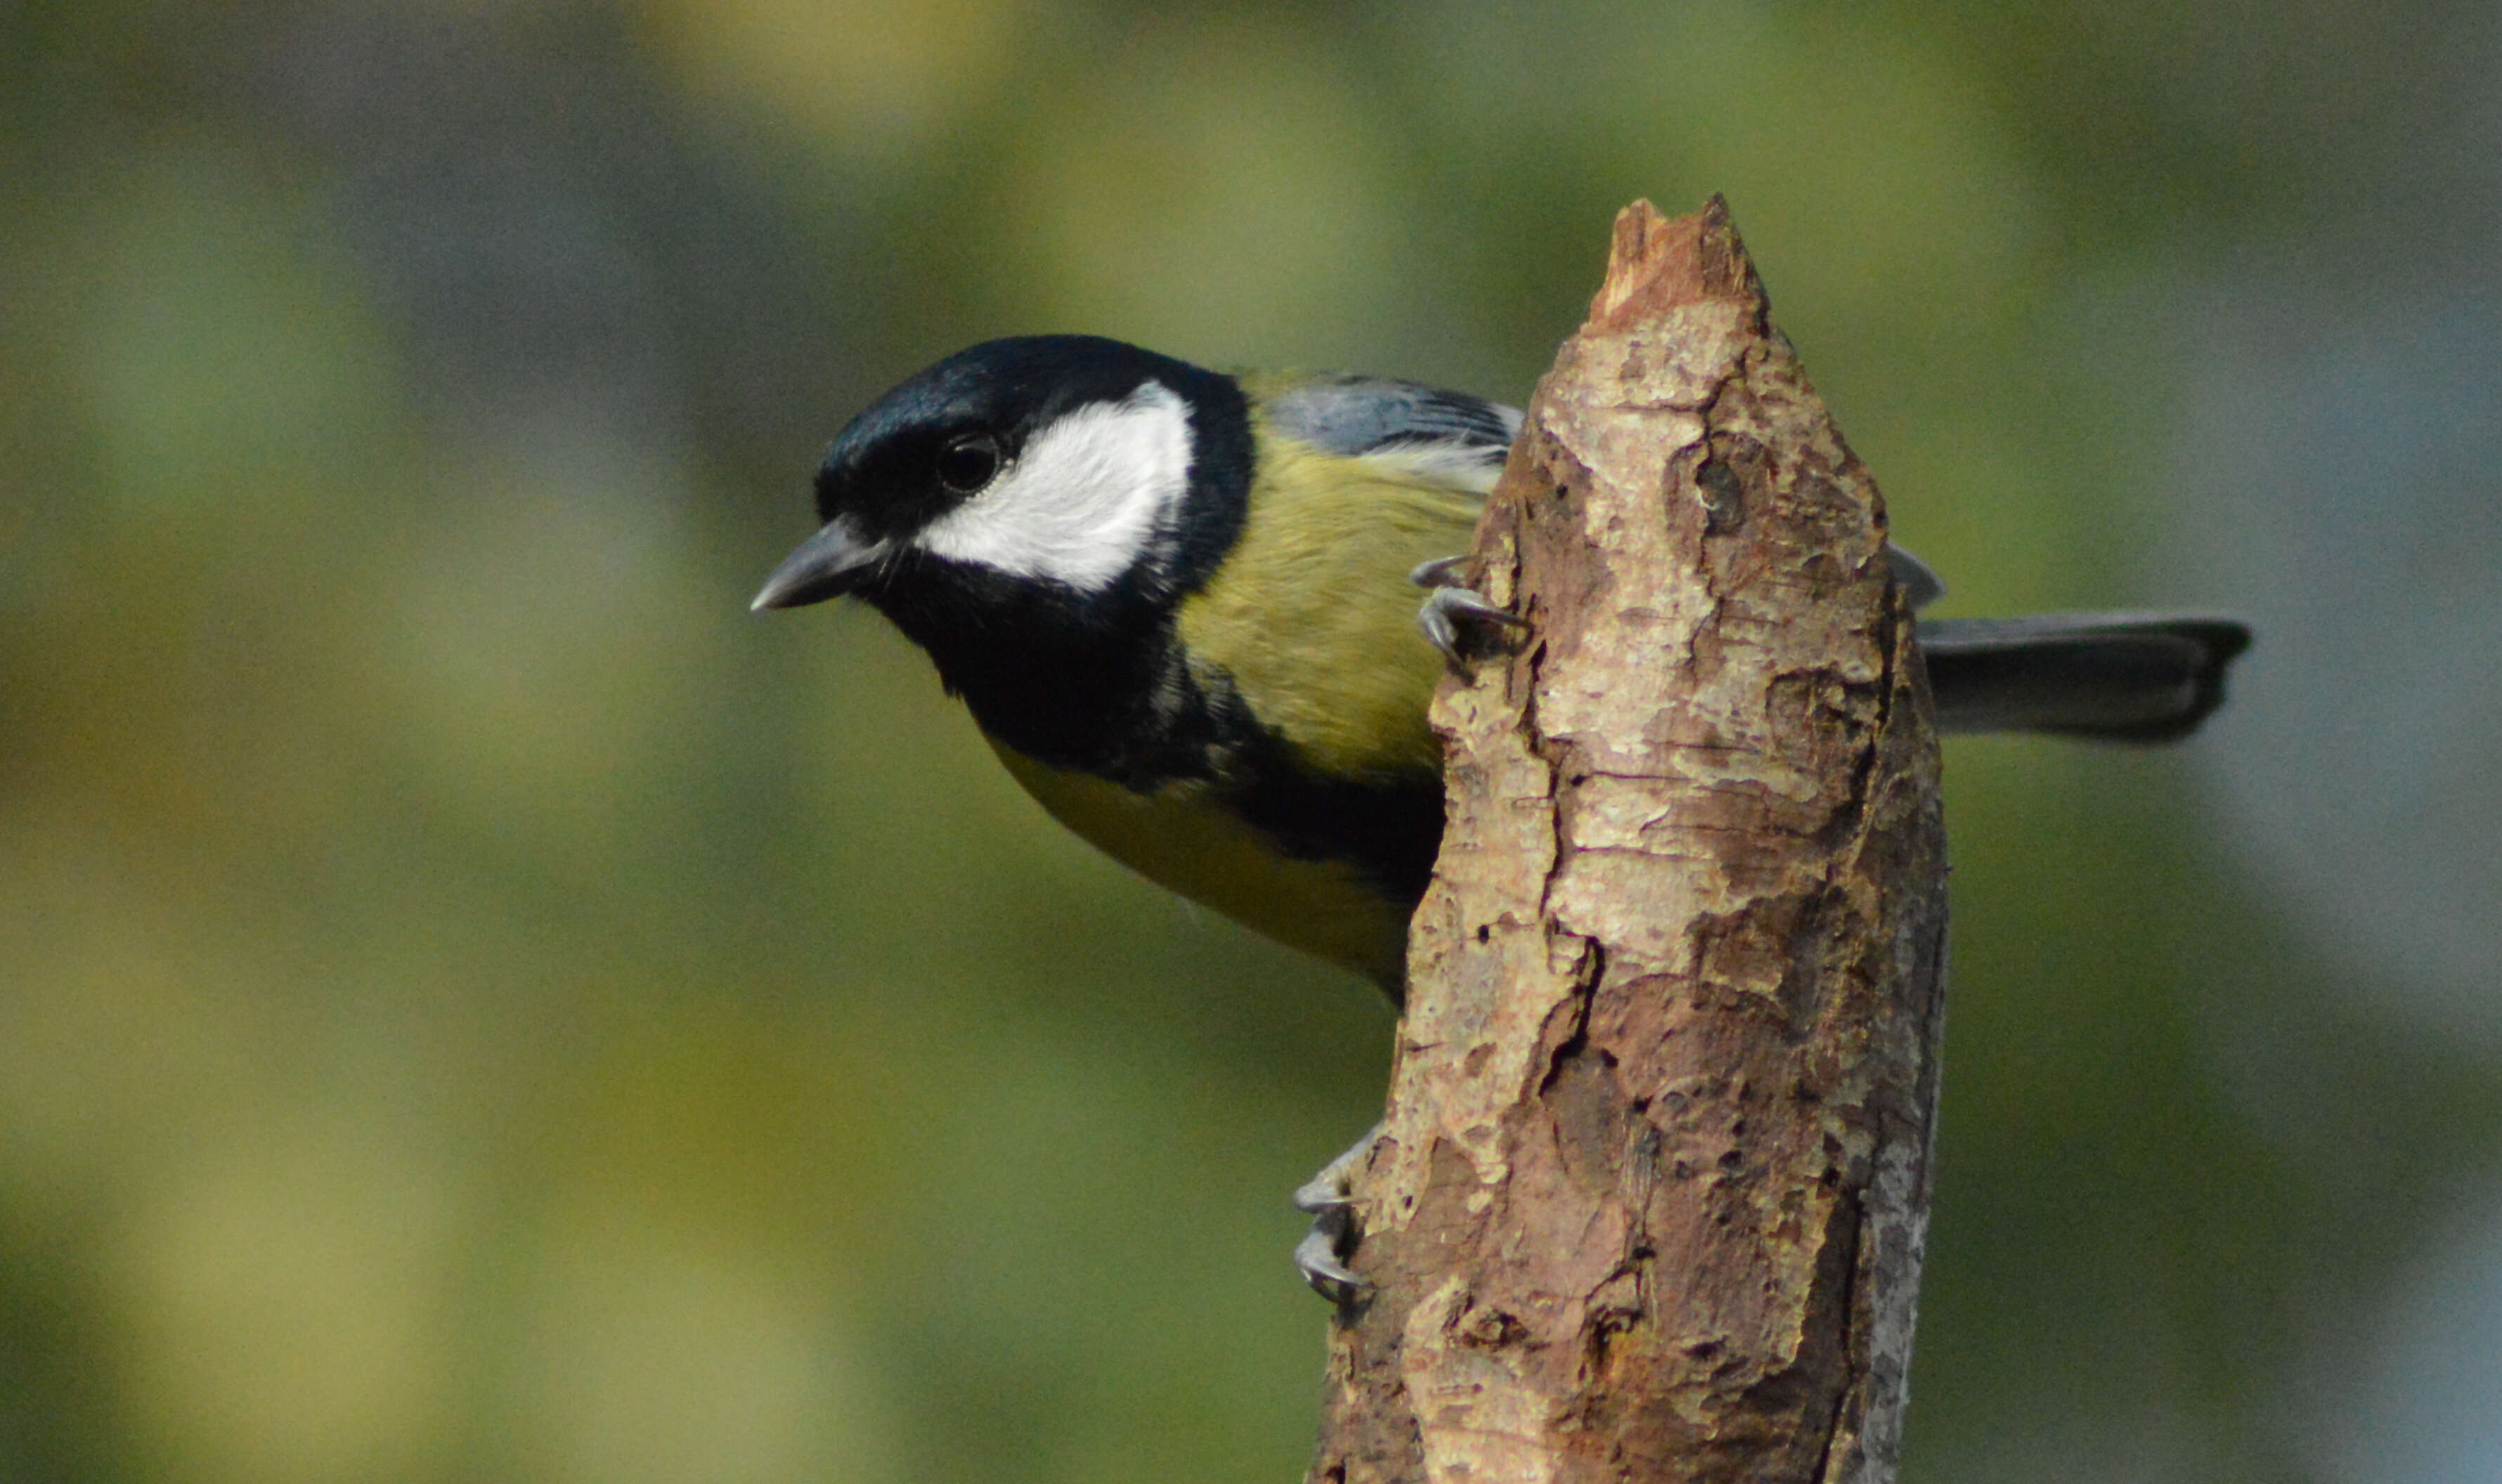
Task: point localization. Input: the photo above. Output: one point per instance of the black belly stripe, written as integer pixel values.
(1391, 830)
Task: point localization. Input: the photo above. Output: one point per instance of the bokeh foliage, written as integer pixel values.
(475, 1003)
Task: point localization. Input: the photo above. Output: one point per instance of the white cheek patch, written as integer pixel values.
(1085, 500)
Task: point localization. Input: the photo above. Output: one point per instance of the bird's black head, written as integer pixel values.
(1068, 462)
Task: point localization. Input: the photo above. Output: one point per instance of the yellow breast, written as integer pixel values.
(1312, 622)
(1181, 840)
(1312, 617)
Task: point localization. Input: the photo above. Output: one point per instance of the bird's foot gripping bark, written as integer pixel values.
(1457, 619)
(1330, 1197)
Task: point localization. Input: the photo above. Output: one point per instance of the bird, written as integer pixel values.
(1182, 606)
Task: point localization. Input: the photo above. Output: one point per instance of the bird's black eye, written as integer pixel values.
(968, 462)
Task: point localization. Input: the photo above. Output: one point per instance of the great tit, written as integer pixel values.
(1178, 603)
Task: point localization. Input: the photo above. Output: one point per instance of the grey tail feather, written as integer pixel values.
(2121, 677)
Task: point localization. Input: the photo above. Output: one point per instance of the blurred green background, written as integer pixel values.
(476, 1004)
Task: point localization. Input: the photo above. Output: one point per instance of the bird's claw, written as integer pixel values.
(1455, 618)
(1330, 1197)
(1318, 1255)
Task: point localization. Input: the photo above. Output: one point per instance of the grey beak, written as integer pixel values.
(827, 564)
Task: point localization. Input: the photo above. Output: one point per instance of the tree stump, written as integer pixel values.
(1649, 1201)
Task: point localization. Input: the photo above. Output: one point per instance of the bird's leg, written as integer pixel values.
(1330, 1197)
(1455, 618)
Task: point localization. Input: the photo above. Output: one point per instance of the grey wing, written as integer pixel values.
(1469, 437)
(1355, 416)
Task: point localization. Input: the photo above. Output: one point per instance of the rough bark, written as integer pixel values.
(1650, 1200)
